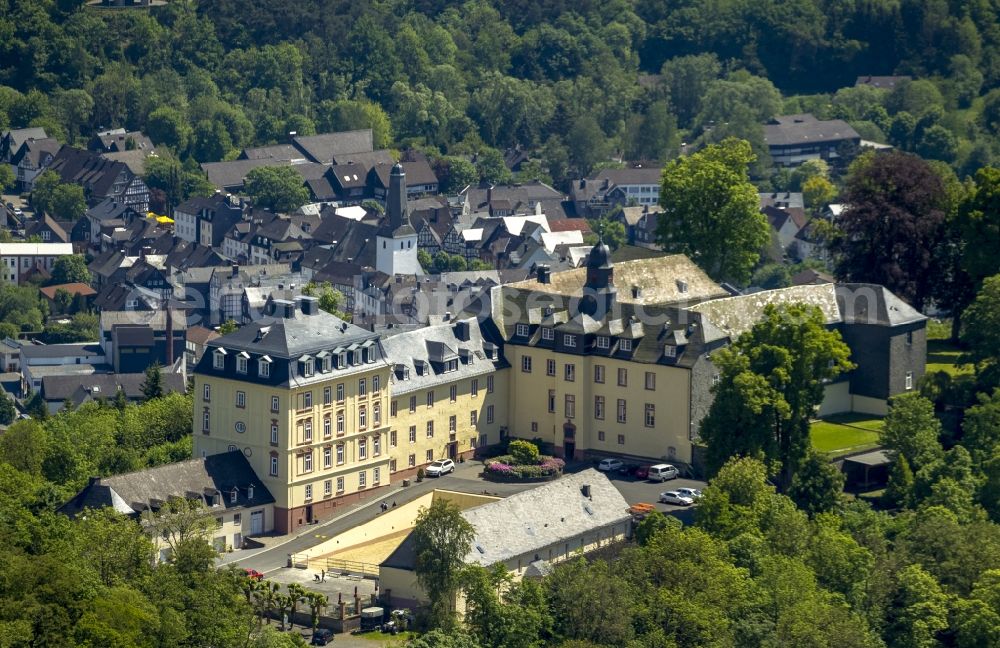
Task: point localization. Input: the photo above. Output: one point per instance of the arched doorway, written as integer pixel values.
(569, 441)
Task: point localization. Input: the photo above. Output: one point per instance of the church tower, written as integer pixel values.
(599, 292)
(396, 239)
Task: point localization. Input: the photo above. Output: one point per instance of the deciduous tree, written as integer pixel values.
(441, 538)
(712, 212)
(277, 188)
(896, 210)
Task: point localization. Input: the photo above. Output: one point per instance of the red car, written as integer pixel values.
(641, 472)
(253, 574)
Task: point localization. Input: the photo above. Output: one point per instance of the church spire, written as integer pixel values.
(398, 211)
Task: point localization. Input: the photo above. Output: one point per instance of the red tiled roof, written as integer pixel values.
(75, 288)
(569, 225)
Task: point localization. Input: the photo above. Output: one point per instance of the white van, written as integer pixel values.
(662, 472)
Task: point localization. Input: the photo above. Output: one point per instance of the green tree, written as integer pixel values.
(900, 490)
(71, 268)
(911, 429)
(7, 177)
(918, 610)
(772, 381)
(586, 144)
(441, 539)
(167, 126)
(330, 299)
(7, 410)
(817, 192)
(348, 114)
(611, 232)
(654, 524)
(713, 212)
(491, 167)
(818, 485)
(227, 327)
(316, 603)
(152, 386)
(277, 188)
(688, 78)
(523, 452)
(43, 190)
(460, 173)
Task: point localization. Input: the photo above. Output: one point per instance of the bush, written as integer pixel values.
(523, 452)
(420, 474)
(507, 466)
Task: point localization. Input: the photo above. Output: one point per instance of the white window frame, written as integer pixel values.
(569, 340)
(521, 330)
(548, 334)
(603, 342)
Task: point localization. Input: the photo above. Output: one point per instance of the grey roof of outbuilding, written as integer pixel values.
(84, 350)
(407, 347)
(324, 148)
(292, 337)
(531, 520)
(199, 478)
(76, 388)
(789, 130)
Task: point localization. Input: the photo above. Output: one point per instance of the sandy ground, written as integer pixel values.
(373, 553)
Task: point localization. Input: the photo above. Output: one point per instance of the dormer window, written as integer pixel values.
(626, 345)
(306, 366)
(452, 365)
(250, 492)
(406, 373)
(670, 351)
(241, 362)
(521, 330)
(603, 342)
(233, 495)
(342, 360)
(682, 286)
(548, 334)
(569, 340)
(219, 358)
(264, 367)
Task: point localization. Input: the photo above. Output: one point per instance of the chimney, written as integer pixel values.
(309, 305)
(170, 337)
(585, 491)
(143, 251)
(543, 274)
(462, 331)
(236, 270)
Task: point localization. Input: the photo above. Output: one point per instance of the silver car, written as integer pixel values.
(693, 493)
(673, 497)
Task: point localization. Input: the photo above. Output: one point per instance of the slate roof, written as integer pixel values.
(790, 130)
(293, 337)
(33, 150)
(199, 478)
(19, 136)
(135, 159)
(532, 520)
(429, 345)
(875, 305)
(46, 351)
(117, 140)
(110, 209)
(418, 172)
(737, 315)
(46, 222)
(79, 390)
(284, 152)
(86, 168)
(324, 148)
(230, 175)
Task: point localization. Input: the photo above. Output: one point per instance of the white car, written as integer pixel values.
(693, 493)
(440, 467)
(673, 497)
(608, 465)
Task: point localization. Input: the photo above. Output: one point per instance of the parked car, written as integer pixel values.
(673, 497)
(18, 212)
(662, 472)
(253, 574)
(321, 637)
(440, 467)
(641, 472)
(609, 465)
(693, 493)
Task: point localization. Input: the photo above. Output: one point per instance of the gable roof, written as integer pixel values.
(200, 478)
(531, 520)
(46, 222)
(75, 288)
(324, 148)
(789, 130)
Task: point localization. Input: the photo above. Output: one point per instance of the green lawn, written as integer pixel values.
(845, 433)
(944, 356)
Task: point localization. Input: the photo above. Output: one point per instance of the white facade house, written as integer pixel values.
(18, 259)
